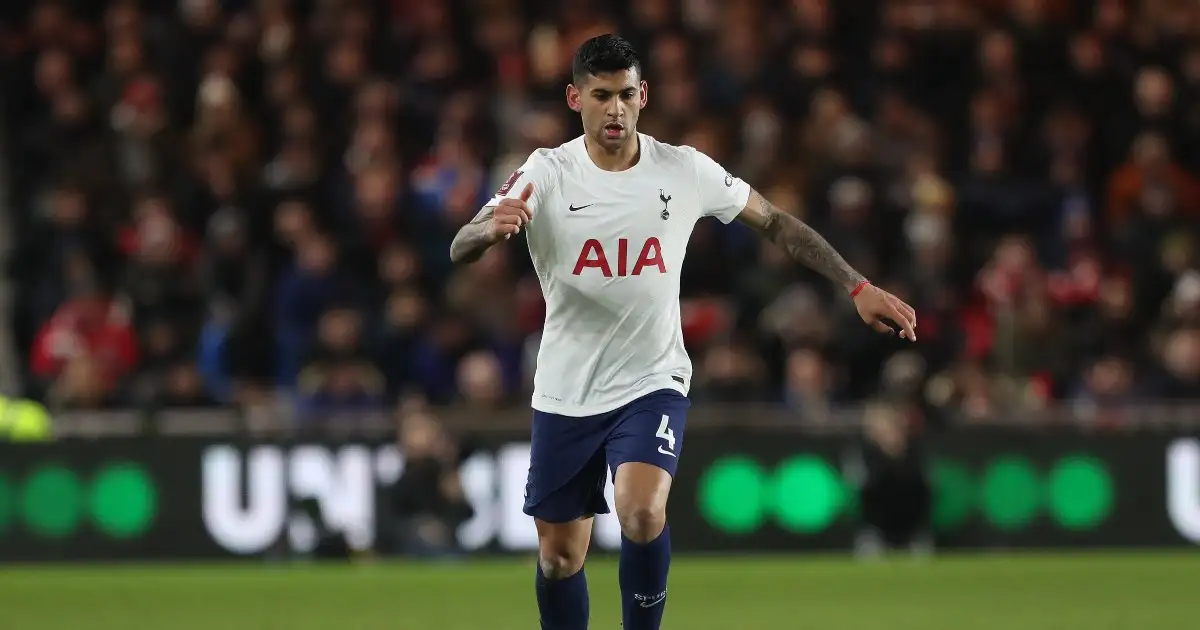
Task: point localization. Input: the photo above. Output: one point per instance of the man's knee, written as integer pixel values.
(557, 564)
(641, 494)
(562, 548)
(642, 522)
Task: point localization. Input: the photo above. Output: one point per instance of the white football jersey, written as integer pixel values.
(608, 247)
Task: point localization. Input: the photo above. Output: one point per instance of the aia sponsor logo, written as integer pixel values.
(593, 255)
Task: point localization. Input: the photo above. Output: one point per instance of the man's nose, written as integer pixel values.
(614, 109)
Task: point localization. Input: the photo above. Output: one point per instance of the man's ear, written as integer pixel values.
(574, 98)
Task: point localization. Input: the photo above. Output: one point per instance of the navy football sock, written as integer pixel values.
(644, 581)
(563, 604)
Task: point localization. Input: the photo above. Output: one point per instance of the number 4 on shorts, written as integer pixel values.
(665, 433)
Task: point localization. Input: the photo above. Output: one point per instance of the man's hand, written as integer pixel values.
(875, 305)
(492, 225)
(510, 215)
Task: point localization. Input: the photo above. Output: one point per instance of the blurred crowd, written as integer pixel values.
(223, 201)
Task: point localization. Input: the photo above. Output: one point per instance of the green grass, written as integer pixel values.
(1016, 592)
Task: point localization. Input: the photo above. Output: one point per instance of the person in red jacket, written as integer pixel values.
(92, 326)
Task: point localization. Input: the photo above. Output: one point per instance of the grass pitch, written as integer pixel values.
(1019, 592)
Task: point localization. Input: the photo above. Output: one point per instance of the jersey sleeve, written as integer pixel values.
(538, 169)
(721, 194)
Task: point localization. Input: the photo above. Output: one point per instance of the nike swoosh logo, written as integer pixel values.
(574, 208)
(665, 452)
(652, 604)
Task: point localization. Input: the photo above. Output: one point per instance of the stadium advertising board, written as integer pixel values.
(188, 498)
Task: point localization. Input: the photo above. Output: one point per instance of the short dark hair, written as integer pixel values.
(602, 54)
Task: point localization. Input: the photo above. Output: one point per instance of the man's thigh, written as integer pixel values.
(649, 430)
(566, 468)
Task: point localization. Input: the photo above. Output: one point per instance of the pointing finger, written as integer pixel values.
(527, 192)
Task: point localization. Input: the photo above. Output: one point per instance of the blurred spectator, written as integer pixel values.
(1179, 378)
(809, 385)
(896, 496)
(85, 349)
(903, 377)
(480, 383)
(307, 289)
(1105, 387)
(1025, 173)
(404, 320)
(161, 350)
(427, 502)
(730, 373)
(338, 374)
(160, 273)
(1150, 184)
(232, 270)
(62, 249)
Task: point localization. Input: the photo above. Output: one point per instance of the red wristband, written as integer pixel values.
(858, 289)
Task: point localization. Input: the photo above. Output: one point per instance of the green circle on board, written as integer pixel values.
(808, 494)
(1081, 493)
(953, 495)
(1010, 493)
(52, 502)
(124, 500)
(730, 495)
(6, 504)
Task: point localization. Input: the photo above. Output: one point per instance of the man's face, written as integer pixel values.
(610, 104)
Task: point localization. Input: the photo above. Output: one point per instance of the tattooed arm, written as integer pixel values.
(800, 241)
(727, 198)
(875, 306)
(474, 238)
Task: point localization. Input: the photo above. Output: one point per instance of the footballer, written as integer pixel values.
(607, 218)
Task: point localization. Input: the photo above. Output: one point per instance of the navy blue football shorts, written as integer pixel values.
(569, 455)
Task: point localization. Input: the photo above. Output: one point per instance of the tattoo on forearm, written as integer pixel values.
(472, 240)
(805, 246)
